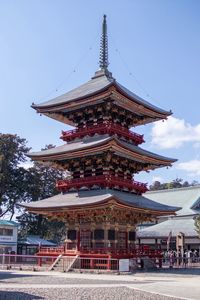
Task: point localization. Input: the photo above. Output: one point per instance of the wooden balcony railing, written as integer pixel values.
(103, 128)
(109, 181)
(136, 252)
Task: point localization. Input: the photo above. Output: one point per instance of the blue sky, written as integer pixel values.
(50, 47)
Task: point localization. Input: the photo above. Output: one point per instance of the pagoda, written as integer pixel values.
(101, 203)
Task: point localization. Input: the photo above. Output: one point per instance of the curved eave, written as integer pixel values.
(48, 154)
(99, 204)
(54, 107)
(44, 107)
(125, 92)
(149, 154)
(110, 143)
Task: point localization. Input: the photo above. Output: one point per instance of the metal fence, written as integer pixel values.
(8, 261)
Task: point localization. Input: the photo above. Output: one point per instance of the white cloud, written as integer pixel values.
(173, 133)
(192, 167)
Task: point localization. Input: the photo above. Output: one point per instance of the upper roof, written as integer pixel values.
(187, 198)
(82, 199)
(60, 152)
(175, 226)
(87, 89)
(95, 86)
(8, 223)
(102, 81)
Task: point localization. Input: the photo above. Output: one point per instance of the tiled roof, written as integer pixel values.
(84, 143)
(175, 225)
(187, 198)
(83, 198)
(89, 88)
(35, 240)
(141, 101)
(94, 86)
(8, 223)
(95, 141)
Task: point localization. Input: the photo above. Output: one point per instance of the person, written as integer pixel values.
(171, 259)
(185, 258)
(189, 256)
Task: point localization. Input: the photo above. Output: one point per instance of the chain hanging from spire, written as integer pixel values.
(103, 58)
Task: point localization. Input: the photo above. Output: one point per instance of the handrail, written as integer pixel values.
(105, 180)
(114, 251)
(102, 128)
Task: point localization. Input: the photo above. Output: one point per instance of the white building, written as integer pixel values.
(8, 236)
(188, 199)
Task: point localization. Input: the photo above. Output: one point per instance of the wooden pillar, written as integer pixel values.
(77, 228)
(93, 227)
(106, 228)
(128, 229)
(116, 235)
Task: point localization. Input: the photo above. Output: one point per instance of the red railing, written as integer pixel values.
(102, 128)
(103, 181)
(137, 252)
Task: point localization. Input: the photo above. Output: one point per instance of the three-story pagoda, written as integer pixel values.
(101, 203)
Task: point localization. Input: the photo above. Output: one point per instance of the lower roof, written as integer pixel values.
(81, 199)
(188, 198)
(8, 223)
(35, 240)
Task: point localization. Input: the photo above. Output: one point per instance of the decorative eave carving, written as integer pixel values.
(110, 209)
(113, 146)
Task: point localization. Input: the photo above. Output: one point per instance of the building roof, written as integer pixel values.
(35, 240)
(59, 152)
(174, 225)
(94, 86)
(187, 198)
(87, 89)
(82, 199)
(8, 223)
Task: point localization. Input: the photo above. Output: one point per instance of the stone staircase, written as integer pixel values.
(63, 263)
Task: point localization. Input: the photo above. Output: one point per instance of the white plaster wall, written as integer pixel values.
(5, 238)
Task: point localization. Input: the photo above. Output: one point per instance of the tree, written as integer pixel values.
(12, 175)
(174, 184)
(41, 184)
(18, 184)
(197, 225)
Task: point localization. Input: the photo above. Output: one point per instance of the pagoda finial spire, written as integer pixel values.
(103, 58)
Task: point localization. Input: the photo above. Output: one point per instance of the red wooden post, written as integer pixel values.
(78, 240)
(39, 261)
(91, 263)
(109, 264)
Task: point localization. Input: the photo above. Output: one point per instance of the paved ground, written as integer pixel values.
(165, 284)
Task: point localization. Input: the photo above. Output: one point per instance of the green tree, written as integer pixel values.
(197, 225)
(174, 184)
(12, 175)
(40, 185)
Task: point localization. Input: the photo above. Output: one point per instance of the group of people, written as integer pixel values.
(180, 257)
